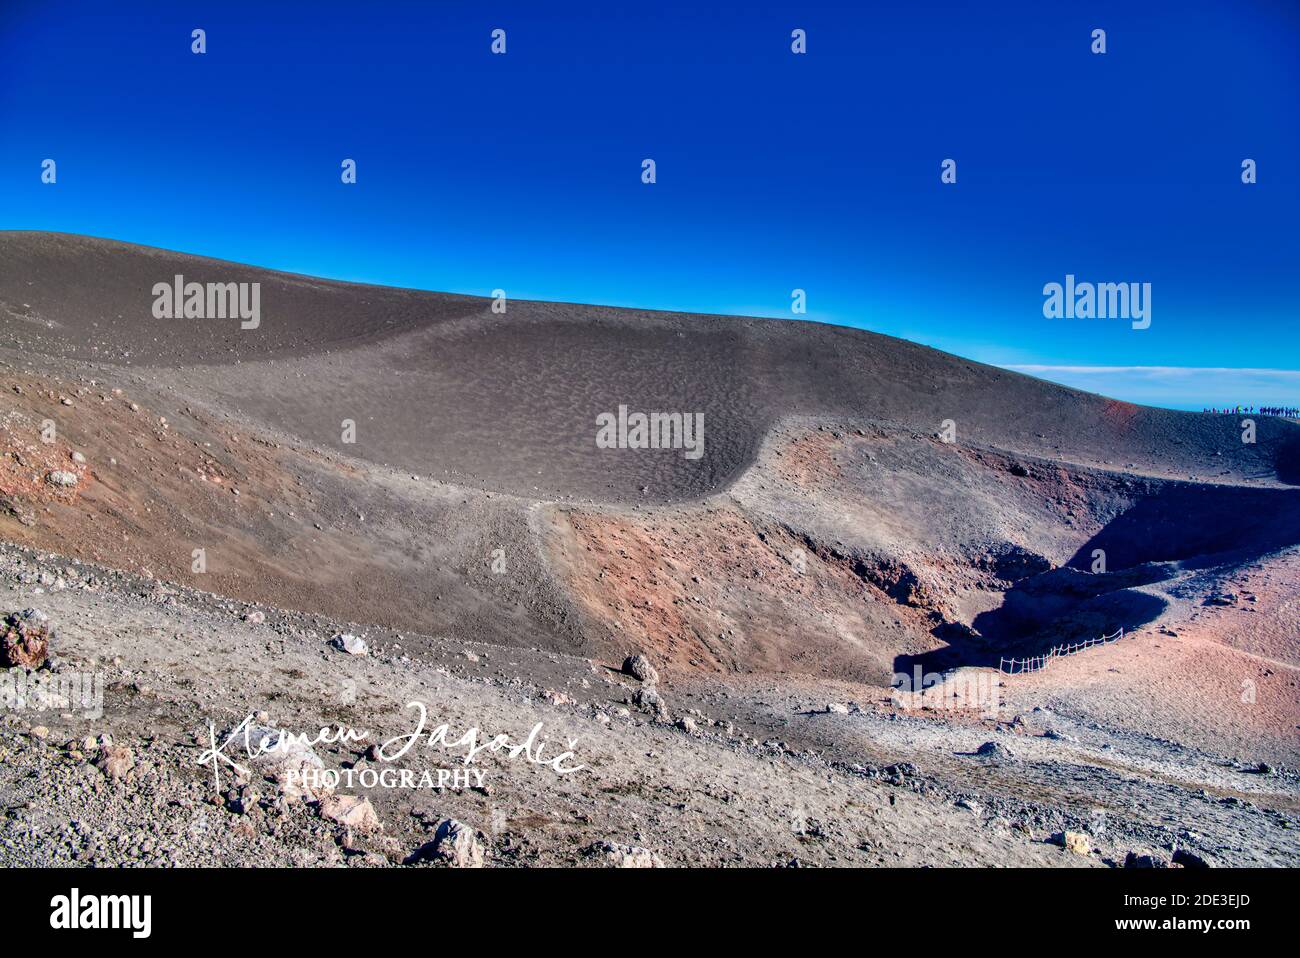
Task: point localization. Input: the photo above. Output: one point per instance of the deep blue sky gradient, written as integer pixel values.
(775, 171)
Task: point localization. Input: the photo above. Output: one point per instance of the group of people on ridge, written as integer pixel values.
(1290, 412)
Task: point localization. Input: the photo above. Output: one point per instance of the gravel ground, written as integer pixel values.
(735, 774)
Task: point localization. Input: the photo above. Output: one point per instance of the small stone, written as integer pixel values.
(1189, 860)
(117, 762)
(556, 698)
(1075, 842)
(453, 843)
(62, 478)
(1144, 860)
(994, 750)
(836, 708)
(626, 856)
(1059, 736)
(351, 811)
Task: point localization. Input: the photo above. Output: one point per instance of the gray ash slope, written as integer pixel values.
(439, 385)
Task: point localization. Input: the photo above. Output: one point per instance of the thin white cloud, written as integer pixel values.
(1155, 370)
(1178, 387)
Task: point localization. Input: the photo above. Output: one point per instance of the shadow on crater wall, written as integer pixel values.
(1195, 525)
(1287, 464)
(1177, 528)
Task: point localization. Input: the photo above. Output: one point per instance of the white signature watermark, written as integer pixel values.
(258, 741)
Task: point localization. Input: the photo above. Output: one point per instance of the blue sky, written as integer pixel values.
(775, 171)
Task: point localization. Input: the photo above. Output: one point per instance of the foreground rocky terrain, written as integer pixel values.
(714, 773)
(176, 500)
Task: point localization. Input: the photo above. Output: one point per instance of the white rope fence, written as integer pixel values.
(1039, 662)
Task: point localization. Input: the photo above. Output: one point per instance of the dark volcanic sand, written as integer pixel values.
(438, 385)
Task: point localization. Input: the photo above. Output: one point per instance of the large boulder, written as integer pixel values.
(639, 666)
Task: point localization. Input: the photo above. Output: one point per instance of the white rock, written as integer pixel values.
(352, 811)
(627, 856)
(351, 644)
(456, 844)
